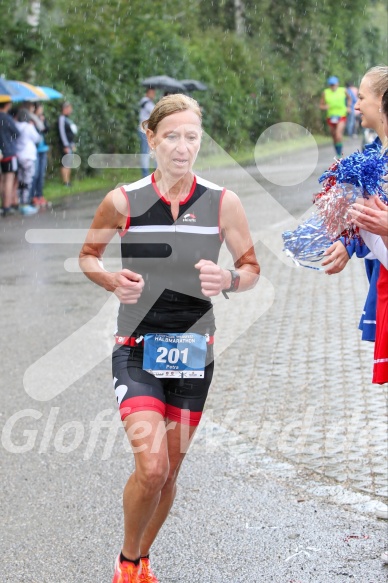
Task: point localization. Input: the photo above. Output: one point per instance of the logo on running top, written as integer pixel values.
(189, 218)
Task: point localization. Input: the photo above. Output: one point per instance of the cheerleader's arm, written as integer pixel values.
(377, 246)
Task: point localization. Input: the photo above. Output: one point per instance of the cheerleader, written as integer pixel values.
(372, 88)
(372, 219)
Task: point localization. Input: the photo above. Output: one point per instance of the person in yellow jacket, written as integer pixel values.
(337, 104)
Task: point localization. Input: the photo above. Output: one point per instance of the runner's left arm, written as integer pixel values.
(235, 229)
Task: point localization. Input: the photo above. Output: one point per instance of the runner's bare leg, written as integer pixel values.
(142, 492)
(178, 437)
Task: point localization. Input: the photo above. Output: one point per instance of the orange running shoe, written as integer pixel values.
(126, 572)
(147, 575)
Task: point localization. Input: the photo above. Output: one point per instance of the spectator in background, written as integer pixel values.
(67, 131)
(9, 133)
(30, 108)
(336, 102)
(41, 162)
(27, 154)
(351, 126)
(146, 106)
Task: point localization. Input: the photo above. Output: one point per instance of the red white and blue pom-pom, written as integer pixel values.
(364, 170)
(360, 175)
(308, 242)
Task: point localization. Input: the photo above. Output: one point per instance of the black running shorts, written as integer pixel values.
(179, 399)
(9, 165)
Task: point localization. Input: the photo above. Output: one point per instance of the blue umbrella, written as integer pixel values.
(6, 92)
(51, 93)
(26, 92)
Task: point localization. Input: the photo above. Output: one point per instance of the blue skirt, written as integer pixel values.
(368, 319)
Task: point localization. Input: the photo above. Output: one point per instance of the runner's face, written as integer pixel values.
(368, 104)
(177, 141)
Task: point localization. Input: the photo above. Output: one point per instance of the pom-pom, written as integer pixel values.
(357, 176)
(308, 242)
(334, 205)
(364, 170)
(360, 175)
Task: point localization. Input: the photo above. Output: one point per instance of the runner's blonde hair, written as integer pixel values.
(168, 105)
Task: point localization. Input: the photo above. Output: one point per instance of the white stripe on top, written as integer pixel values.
(174, 229)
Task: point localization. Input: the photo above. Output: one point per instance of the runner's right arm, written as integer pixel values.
(322, 104)
(110, 216)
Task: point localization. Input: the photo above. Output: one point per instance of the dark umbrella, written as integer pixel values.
(193, 85)
(164, 82)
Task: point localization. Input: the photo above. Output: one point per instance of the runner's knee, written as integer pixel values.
(153, 475)
(170, 483)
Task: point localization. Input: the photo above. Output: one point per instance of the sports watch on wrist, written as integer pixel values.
(235, 282)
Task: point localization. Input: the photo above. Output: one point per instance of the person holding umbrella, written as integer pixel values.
(146, 105)
(172, 226)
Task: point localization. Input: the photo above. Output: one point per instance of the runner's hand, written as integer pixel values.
(337, 258)
(128, 286)
(213, 278)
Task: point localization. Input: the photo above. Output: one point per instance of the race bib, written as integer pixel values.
(181, 355)
(335, 118)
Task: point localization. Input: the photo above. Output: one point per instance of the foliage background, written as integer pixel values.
(96, 52)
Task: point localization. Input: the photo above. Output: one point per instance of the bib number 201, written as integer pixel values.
(172, 356)
(175, 355)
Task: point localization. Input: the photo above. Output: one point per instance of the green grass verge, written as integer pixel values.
(103, 180)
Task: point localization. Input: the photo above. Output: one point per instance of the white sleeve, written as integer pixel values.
(149, 107)
(62, 131)
(376, 245)
(34, 134)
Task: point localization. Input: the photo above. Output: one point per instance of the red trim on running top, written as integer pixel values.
(183, 416)
(191, 191)
(132, 340)
(160, 195)
(219, 215)
(142, 403)
(128, 222)
(156, 189)
(128, 341)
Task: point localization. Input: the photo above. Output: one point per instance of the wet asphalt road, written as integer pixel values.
(242, 514)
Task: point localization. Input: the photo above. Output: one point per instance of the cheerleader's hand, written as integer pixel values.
(337, 258)
(371, 215)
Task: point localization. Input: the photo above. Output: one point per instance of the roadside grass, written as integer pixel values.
(103, 180)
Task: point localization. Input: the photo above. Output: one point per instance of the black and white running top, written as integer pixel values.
(164, 252)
